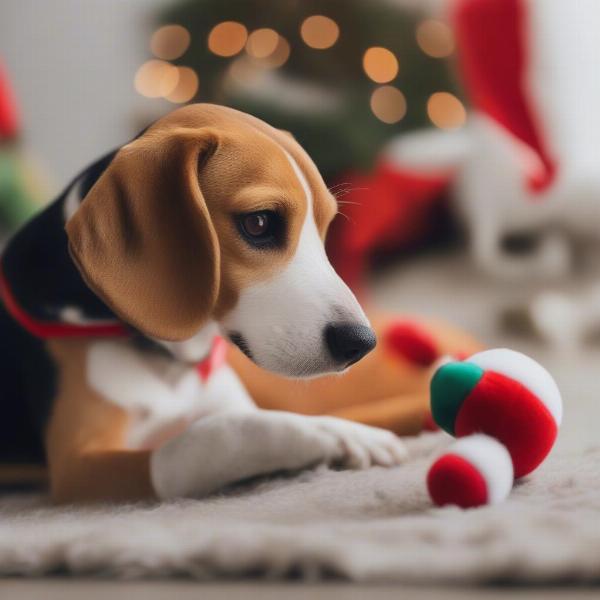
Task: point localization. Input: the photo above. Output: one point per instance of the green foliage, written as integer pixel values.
(349, 136)
(16, 199)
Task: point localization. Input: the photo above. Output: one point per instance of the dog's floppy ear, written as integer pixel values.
(143, 237)
(288, 133)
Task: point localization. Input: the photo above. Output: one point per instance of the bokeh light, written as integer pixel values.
(170, 42)
(156, 78)
(227, 38)
(186, 88)
(319, 32)
(380, 64)
(388, 104)
(280, 55)
(446, 111)
(242, 70)
(435, 38)
(262, 42)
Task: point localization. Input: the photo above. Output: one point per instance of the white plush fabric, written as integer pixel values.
(492, 461)
(526, 371)
(375, 525)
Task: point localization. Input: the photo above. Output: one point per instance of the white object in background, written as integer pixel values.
(549, 131)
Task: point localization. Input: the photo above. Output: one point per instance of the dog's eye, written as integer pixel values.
(257, 224)
(261, 229)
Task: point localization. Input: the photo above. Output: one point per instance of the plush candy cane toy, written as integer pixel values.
(506, 409)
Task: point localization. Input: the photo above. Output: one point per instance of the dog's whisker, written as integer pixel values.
(348, 218)
(352, 189)
(343, 194)
(343, 202)
(342, 191)
(339, 185)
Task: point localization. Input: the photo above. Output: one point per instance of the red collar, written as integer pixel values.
(47, 329)
(215, 360)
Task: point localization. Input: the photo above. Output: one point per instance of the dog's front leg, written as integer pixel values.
(232, 446)
(231, 440)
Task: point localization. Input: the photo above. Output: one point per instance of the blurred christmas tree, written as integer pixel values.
(21, 186)
(342, 75)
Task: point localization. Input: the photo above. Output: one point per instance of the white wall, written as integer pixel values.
(72, 63)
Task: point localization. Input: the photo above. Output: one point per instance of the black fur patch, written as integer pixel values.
(239, 340)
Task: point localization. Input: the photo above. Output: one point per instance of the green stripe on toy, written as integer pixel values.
(450, 385)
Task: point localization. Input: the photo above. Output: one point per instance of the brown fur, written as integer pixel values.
(143, 238)
(153, 207)
(85, 439)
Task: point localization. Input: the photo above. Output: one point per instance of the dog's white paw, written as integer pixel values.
(232, 446)
(360, 446)
(298, 441)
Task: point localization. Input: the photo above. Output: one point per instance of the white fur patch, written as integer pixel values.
(72, 200)
(161, 395)
(75, 316)
(195, 348)
(491, 459)
(526, 371)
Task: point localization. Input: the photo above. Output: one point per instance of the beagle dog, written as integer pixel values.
(209, 223)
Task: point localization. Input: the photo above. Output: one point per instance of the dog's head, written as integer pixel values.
(214, 215)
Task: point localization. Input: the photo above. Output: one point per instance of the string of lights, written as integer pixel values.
(264, 48)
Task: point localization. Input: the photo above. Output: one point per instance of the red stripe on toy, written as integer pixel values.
(412, 342)
(454, 480)
(429, 424)
(45, 329)
(506, 410)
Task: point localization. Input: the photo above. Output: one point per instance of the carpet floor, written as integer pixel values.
(374, 525)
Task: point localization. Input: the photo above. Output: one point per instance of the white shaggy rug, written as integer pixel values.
(375, 525)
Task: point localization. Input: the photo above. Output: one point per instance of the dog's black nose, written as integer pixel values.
(349, 342)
